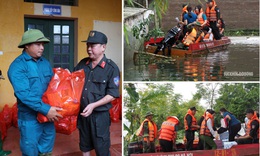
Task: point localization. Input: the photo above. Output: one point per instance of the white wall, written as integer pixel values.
(113, 31)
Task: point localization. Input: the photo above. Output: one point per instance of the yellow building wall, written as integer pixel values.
(12, 28)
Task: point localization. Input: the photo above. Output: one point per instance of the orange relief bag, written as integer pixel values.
(64, 91)
(116, 109)
(66, 125)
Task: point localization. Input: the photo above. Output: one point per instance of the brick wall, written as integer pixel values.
(238, 14)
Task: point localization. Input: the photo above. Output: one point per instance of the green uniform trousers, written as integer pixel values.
(148, 148)
(208, 142)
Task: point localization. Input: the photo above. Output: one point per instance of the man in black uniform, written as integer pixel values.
(101, 87)
(252, 129)
(213, 16)
(190, 125)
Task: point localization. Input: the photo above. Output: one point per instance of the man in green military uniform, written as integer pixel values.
(148, 130)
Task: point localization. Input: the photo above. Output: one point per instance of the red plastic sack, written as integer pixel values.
(64, 91)
(5, 120)
(3, 129)
(6, 116)
(15, 115)
(66, 125)
(115, 111)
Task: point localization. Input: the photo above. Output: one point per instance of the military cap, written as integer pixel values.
(96, 37)
(197, 23)
(193, 108)
(250, 111)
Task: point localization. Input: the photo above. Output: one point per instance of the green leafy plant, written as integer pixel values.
(139, 31)
(241, 32)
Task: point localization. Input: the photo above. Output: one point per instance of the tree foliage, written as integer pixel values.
(235, 97)
(238, 97)
(208, 92)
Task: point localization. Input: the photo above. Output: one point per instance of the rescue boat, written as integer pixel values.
(193, 49)
(237, 150)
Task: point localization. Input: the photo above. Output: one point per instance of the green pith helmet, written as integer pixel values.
(148, 114)
(198, 24)
(31, 36)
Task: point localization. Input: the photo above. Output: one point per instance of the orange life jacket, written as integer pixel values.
(168, 129)
(204, 130)
(184, 10)
(194, 121)
(211, 14)
(206, 36)
(248, 126)
(199, 18)
(152, 130)
(192, 37)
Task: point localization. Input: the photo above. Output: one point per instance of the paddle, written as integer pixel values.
(206, 47)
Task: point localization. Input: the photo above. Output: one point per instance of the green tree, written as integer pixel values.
(208, 92)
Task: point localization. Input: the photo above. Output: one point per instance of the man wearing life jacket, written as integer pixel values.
(207, 132)
(252, 129)
(148, 131)
(200, 143)
(190, 124)
(213, 15)
(195, 36)
(168, 133)
(201, 17)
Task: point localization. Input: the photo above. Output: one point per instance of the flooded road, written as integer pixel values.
(240, 62)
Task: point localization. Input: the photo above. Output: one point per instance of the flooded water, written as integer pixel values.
(240, 62)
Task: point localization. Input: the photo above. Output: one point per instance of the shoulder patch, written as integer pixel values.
(116, 80)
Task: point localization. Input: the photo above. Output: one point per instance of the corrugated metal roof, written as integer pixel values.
(130, 12)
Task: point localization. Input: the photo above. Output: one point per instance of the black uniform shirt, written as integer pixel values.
(217, 12)
(99, 81)
(189, 121)
(254, 129)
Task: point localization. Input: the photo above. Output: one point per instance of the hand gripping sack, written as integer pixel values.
(64, 91)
